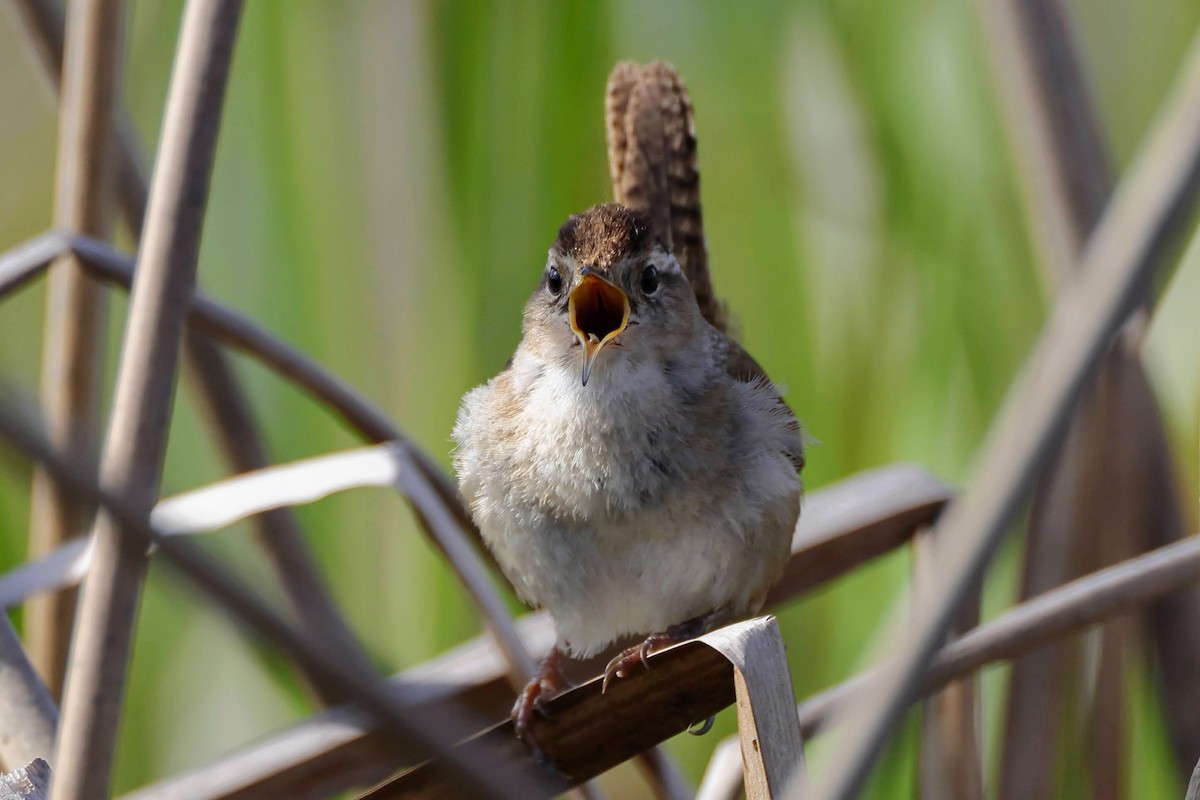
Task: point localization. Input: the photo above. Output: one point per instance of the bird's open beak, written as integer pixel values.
(599, 311)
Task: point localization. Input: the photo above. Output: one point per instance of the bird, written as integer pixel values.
(632, 469)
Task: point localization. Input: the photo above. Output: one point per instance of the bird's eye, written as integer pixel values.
(554, 281)
(650, 280)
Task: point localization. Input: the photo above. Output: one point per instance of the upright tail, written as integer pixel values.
(652, 158)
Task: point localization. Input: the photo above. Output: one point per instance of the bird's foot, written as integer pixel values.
(547, 683)
(622, 665)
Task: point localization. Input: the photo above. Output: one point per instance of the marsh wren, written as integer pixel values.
(633, 469)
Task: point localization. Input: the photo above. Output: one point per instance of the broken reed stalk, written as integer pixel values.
(1062, 611)
(26, 708)
(73, 352)
(220, 393)
(136, 443)
(478, 770)
(1146, 210)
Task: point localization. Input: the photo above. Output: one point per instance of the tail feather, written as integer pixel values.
(652, 159)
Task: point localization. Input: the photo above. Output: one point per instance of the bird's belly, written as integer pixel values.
(620, 516)
(601, 582)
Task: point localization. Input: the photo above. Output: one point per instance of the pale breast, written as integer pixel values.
(633, 503)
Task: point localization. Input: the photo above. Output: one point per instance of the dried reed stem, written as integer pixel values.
(28, 260)
(1146, 210)
(477, 770)
(951, 764)
(242, 333)
(278, 531)
(43, 23)
(1057, 140)
(73, 358)
(1101, 487)
(1065, 610)
(220, 393)
(1066, 172)
(1193, 790)
(339, 749)
(136, 443)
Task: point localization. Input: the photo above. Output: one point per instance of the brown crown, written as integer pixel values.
(600, 236)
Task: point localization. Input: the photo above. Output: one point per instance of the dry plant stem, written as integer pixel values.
(278, 531)
(664, 776)
(1067, 182)
(1173, 620)
(28, 260)
(1068, 176)
(43, 23)
(578, 714)
(469, 567)
(242, 333)
(723, 776)
(1056, 134)
(772, 751)
(136, 442)
(220, 393)
(73, 357)
(339, 749)
(28, 717)
(1067, 609)
(473, 769)
(1147, 208)
(951, 765)
(588, 732)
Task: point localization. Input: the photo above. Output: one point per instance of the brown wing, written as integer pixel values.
(652, 158)
(741, 366)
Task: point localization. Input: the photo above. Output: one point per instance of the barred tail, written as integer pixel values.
(652, 159)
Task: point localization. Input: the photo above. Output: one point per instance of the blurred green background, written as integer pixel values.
(390, 175)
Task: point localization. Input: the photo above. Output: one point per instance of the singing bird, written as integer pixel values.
(633, 469)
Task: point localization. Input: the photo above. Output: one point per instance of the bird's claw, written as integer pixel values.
(626, 660)
(621, 664)
(547, 683)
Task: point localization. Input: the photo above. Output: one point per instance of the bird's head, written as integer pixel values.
(610, 286)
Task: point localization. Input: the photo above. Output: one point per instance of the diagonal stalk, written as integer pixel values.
(220, 393)
(1145, 213)
(1115, 472)
(132, 461)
